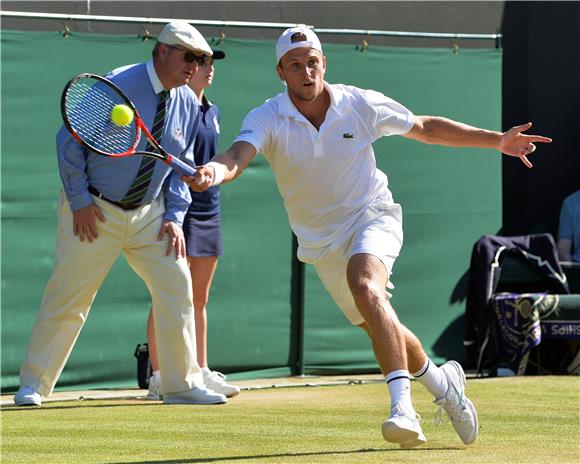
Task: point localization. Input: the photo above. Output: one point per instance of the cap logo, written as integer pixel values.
(298, 37)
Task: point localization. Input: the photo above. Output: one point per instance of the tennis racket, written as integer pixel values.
(86, 105)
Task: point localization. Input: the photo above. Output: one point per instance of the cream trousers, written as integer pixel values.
(79, 270)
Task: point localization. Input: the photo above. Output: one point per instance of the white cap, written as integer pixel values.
(184, 34)
(285, 42)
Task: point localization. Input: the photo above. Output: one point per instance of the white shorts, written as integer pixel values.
(378, 232)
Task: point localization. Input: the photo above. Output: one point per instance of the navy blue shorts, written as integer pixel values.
(203, 237)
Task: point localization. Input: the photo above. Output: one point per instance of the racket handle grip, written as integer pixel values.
(180, 166)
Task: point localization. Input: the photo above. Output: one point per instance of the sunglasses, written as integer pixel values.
(190, 57)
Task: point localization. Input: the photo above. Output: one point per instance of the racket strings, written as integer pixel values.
(88, 108)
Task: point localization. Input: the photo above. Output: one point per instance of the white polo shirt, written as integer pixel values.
(327, 178)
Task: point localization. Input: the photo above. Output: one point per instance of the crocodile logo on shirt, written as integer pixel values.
(348, 135)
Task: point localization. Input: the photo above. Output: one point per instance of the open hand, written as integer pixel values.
(515, 143)
(85, 222)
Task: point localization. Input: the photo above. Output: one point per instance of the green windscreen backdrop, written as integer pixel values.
(450, 198)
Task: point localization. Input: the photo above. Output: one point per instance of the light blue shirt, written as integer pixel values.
(569, 227)
(113, 177)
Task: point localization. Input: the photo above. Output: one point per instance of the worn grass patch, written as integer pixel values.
(522, 420)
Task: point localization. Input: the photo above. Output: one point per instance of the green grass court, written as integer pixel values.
(522, 420)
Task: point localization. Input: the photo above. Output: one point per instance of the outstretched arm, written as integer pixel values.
(443, 131)
(225, 167)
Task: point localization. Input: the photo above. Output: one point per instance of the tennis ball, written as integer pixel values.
(122, 115)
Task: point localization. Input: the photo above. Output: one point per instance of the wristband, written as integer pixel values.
(219, 172)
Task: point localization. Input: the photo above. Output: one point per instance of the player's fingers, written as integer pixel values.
(526, 161)
(539, 138)
(523, 127)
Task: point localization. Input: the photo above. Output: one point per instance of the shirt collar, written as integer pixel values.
(287, 108)
(337, 100)
(155, 82)
(204, 100)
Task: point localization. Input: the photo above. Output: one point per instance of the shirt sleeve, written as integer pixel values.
(176, 192)
(388, 117)
(177, 198)
(72, 162)
(256, 129)
(565, 227)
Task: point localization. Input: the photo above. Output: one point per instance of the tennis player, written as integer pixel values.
(109, 206)
(318, 139)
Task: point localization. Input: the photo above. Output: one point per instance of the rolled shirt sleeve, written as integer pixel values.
(72, 165)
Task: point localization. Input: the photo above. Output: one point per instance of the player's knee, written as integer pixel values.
(366, 293)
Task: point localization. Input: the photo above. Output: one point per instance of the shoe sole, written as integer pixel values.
(28, 403)
(470, 440)
(395, 434)
(180, 401)
(420, 440)
(463, 380)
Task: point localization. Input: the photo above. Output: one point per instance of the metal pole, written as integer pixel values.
(297, 312)
(247, 24)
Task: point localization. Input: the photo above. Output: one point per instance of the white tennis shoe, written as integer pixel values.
(403, 427)
(196, 395)
(217, 382)
(27, 396)
(458, 407)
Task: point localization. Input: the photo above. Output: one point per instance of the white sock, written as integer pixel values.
(399, 385)
(433, 379)
(206, 370)
(156, 373)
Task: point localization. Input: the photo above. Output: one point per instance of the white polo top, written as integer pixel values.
(327, 178)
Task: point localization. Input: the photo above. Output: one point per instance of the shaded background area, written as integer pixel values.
(541, 83)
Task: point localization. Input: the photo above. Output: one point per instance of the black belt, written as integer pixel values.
(119, 204)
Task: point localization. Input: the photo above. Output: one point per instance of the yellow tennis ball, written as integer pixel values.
(122, 115)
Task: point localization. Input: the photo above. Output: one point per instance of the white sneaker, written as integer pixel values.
(460, 410)
(217, 382)
(154, 392)
(403, 427)
(197, 395)
(27, 396)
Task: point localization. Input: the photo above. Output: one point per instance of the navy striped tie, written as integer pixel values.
(141, 183)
